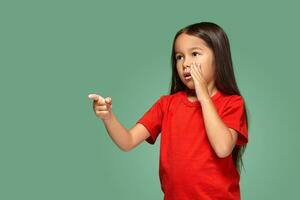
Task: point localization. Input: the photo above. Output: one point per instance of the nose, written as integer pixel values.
(187, 64)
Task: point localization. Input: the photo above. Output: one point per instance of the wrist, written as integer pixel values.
(204, 98)
(108, 118)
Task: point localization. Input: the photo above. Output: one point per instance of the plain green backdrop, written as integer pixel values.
(54, 53)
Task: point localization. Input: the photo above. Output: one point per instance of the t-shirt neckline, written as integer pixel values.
(197, 103)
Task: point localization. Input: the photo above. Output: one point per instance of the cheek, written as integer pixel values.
(206, 65)
(179, 70)
(208, 73)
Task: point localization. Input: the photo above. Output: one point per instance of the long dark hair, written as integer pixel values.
(218, 42)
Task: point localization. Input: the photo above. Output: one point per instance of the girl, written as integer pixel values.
(203, 121)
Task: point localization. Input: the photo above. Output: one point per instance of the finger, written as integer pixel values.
(108, 106)
(101, 108)
(101, 100)
(193, 74)
(199, 67)
(197, 70)
(101, 112)
(93, 96)
(194, 70)
(193, 64)
(97, 98)
(196, 66)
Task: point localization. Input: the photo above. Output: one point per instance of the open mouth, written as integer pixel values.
(187, 76)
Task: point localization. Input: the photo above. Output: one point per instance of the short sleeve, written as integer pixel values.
(234, 117)
(152, 120)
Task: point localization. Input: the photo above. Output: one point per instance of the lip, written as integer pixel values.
(187, 78)
(186, 73)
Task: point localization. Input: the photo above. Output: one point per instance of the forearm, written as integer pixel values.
(217, 132)
(117, 132)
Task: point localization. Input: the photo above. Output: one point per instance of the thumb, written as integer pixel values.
(108, 100)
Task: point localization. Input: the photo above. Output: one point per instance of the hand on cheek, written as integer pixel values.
(199, 82)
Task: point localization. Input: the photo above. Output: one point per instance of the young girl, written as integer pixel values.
(203, 121)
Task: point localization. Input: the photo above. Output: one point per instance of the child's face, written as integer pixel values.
(185, 55)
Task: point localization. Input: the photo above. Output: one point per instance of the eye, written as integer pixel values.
(196, 53)
(177, 57)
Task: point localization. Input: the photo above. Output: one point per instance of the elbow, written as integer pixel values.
(223, 152)
(126, 148)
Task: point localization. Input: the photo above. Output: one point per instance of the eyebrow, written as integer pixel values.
(191, 49)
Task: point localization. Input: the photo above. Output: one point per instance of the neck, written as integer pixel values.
(211, 90)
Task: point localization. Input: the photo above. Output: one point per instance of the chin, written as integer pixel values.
(190, 85)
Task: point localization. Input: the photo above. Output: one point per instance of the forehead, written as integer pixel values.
(185, 42)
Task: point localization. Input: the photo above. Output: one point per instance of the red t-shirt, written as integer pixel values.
(189, 169)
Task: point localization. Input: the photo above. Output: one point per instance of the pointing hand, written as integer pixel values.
(101, 106)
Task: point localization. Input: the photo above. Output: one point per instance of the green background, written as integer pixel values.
(54, 53)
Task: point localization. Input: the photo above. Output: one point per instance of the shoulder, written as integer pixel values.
(171, 97)
(229, 98)
(226, 101)
(166, 99)
(236, 99)
(233, 102)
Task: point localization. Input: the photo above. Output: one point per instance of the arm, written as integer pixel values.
(222, 138)
(124, 139)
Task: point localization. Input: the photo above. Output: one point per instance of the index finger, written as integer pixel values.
(96, 97)
(93, 96)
